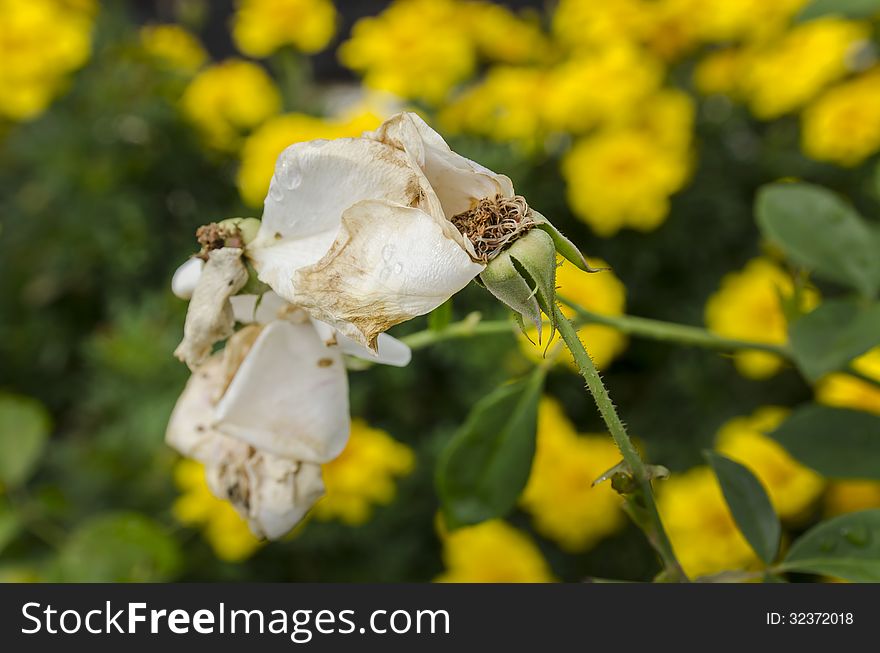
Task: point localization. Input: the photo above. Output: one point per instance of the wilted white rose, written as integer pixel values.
(365, 233)
(262, 415)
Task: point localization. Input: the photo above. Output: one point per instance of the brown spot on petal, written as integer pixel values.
(325, 362)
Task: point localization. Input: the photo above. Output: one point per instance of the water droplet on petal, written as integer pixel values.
(398, 268)
(388, 252)
(287, 171)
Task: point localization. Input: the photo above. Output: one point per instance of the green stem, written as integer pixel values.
(646, 507)
(669, 332)
(470, 326)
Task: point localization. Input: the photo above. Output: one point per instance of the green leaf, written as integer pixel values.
(845, 547)
(749, 504)
(828, 338)
(10, 525)
(506, 284)
(820, 232)
(440, 317)
(24, 428)
(119, 547)
(836, 442)
(845, 8)
(485, 466)
(563, 245)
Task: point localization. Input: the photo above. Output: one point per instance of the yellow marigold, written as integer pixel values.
(841, 126)
(229, 98)
(785, 74)
(500, 35)
(718, 72)
(623, 178)
(599, 87)
(721, 21)
(600, 292)
(41, 42)
(748, 306)
(363, 475)
(851, 496)
(703, 533)
(225, 530)
(494, 108)
(578, 24)
(395, 54)
(559, 495)
(492, 552)
(261, 149)
(260, 27)
(174, 46)
(791, 486)
(846, 391)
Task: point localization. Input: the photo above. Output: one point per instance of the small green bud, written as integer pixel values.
(523, 277)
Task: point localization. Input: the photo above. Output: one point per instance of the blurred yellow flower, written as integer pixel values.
(578, 24)
(851, 496)
(41, 42)
(699, 524)
(492, 552)
(500, 35)
(722, 21)
(260, 27)
(781, 76)
(559, 495)
(174, 46)
(600, 292)
(225, 530)
(395, 53)
(363, 475)
(792, 487)
(842, 126)
(748, 306)
(261, 149)
(229, 98)
(718, 72)
(494, 107)
(600, 87)
(847, 391)
(623, 178)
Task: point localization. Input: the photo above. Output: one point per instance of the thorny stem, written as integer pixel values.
(642, 506)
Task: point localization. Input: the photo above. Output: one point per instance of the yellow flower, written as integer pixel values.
(494, 107)
(748, 306)
(492, 552)
(599, 87)
(789, 72)
(500, 35)
(578, 24)
(559, 495)
(623, 178)
(225, 530)
(416, 49)
(41, 42)
(173, 46)
(721, 21)
(846, 391)
(718, 72)
(600, 292)
(363, 475)
(229, 98)
(841, 126)
(260, 27)
(791, 486)
(851, 496)
(261, 149)
(699, 524)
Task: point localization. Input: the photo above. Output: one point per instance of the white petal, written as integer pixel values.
(281, 493)
(289, 397)
(389, 264)
(391, 351)
(190, 428)
(209, 317)
(247, 310)
(457, 181)
(186, 278)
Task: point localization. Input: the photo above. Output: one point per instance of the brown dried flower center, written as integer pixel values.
(494, 223)
(214, 236)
